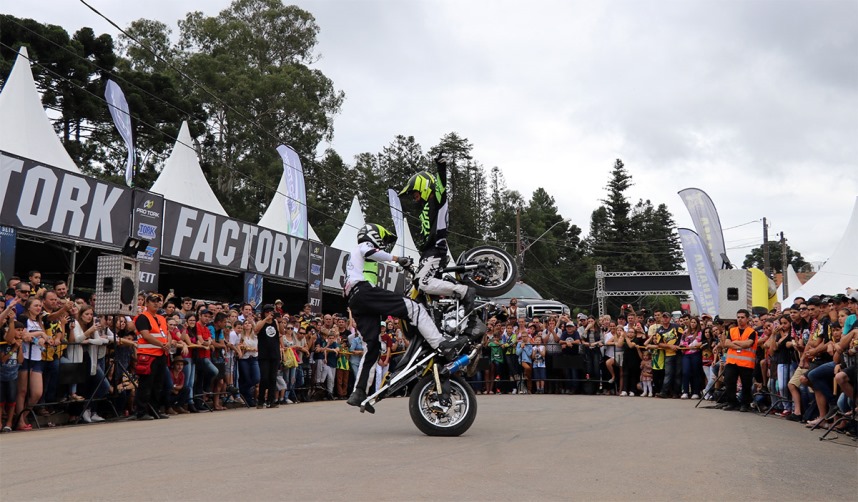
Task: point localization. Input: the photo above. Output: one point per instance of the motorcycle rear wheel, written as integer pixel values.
(501, 280)
(431, 418)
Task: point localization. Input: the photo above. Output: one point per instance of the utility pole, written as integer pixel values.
(785, 263)
(766, 269)
(518, 248)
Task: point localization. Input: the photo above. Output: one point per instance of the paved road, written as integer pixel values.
(519, 448)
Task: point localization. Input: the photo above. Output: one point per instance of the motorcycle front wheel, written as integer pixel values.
(449, 419)
(496, 277)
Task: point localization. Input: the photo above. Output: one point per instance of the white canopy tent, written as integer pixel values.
(405, 244)
(25, 128)
(347, 238)
(841, 269)
(182, 179)
(275, 216)
(792, 281)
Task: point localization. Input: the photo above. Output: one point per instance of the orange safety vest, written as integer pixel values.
(742, 357)
(144, 347)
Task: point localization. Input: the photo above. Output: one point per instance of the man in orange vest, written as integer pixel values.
(741, 345)
(152, 346)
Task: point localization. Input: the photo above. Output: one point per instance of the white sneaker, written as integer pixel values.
(650, 394)
(683, 396)
(95, 417)
(289, 401)
(624, 393)
(86, 416)
(515, 391)
(695, 396)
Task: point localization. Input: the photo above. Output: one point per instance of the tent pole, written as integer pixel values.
(73, 266)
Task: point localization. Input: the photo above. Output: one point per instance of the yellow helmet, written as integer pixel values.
(422, 182)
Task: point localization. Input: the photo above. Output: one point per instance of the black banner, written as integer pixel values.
(198, 236)
(336, 263)
(7, 255)
(58, 202)
(146, 224)
(317, 266)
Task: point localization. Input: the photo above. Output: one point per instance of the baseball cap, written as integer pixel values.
(570, 323)
(267, 308)
(206, 311)
(582, 315)
(278, 302)
(705, 315)
(665, 314)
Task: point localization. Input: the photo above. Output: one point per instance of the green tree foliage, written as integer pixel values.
(755, 258)
(260, 91)
(626, 238)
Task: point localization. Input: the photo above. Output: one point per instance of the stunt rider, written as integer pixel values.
(369, 303)
(434, 217)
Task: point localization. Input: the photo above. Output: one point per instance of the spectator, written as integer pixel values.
(538, 356)
(524, 351)
(289, 340)
(36, 288)
(179, 393)
(30, 370)
(741, 346)
(267, 333)
(152, 349)
(570, 342)
(9, 354)
(692, 359)
(356, 348)
(331, 350)
(248, 366)
(667, 339)
(646, 372)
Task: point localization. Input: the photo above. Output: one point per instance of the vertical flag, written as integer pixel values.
(706, 222)
(396, 213)
(296, 194)
(703, 282)
(118, 107)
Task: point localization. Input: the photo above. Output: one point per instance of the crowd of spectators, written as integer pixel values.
(60, 359)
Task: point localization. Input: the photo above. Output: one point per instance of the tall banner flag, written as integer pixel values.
(396, 213)
(296, 194)
(253, 289)
(706, 222)
(703, 283)
(7, 255)
(118, 107)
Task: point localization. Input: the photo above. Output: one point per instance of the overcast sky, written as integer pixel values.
(755, 102)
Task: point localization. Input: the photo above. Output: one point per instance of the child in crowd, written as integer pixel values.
(538, 357)
(646, 373)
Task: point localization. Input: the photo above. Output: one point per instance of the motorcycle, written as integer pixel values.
(442, 403)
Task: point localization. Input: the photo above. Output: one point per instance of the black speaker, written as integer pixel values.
(117, 282)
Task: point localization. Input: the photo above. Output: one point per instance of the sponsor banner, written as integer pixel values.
(54, 201)
(253, 289)
(707, 223)
(210, 239)
(390, 277)
(315, 277)
(118, 107)
(146, 224)
(704, 286)
(7, 255)
(296, 193)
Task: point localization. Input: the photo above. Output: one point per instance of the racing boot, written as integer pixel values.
(358, 396)
(451, 347)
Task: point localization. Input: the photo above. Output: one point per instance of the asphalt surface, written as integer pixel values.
(520, 448)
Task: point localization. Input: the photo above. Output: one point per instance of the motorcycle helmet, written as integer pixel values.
(422, 183)
(376, 235)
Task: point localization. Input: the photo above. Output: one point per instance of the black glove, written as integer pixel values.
(404, 261)
(441, 159)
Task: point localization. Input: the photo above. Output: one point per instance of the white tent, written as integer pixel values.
(275, 216)
(25, 129)
(182, 179)
(792, 281)
(841, 269)
(347, 238)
